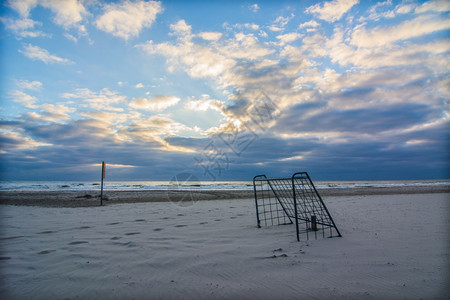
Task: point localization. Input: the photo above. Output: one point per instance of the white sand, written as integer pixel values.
(393, 247)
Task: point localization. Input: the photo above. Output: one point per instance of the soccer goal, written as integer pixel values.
(293, 200)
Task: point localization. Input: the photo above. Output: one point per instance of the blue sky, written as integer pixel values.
(224, 90)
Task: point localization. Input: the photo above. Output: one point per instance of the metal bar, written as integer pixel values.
(256, 199)
(103, 177)
(295, 210)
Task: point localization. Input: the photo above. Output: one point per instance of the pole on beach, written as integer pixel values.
(103, 176)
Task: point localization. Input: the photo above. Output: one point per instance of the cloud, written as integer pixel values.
(280, 22)
(205, 104)
(210, 36)
(139, 86)
(17, 140)
(404, 8)
(158, 103)
(128, 19)
(331, 11)
(29, 85)
(101, 101)
(254, 7)
(369, 53)
(23, 7)
(283, 21)
(244, 46)
(68, 14)
(24, 28)
(197, 60)
(157, 129)
(181, 27)
(385, 35)
(56, 112)
(376, 15)
(289, 37)
(37, 53)
(311, 23)
(27, 100)
(251, 26)
(434, 6)
(111, 118)
(112, 165)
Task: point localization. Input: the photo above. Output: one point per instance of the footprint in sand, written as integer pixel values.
(114, 223)
(46, 252)
(77, 243)
(83, 227)
(132, 233)
(115, 238)
(276, 256)
(11, 237)
(140, 220)
(157, 229)
(180, 225)
(46, 232)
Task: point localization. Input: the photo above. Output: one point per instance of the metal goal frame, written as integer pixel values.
(292, 200)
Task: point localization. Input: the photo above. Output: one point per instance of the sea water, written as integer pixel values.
(204, 185)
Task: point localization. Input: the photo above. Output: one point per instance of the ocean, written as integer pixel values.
(204, 185)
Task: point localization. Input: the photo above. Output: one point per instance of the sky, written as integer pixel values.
(224, 90)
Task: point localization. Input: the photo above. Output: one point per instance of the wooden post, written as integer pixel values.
(103, 176)
(314, 223)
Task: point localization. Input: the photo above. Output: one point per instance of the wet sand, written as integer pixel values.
(92, 197)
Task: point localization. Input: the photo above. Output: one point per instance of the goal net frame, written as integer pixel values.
(292, 200)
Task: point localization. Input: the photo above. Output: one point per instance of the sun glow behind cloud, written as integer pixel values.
(144, 84)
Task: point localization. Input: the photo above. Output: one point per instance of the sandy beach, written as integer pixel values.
(394, 246)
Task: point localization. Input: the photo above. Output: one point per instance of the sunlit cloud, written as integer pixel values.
(14, 140)
(103, 100)
(157, 103)
(385, 35)
(112, 165)
(210, 36)
(128, 19)
(21, 97)
(58, 112)
(289, 37)
(433, 6)
(312, 23)
(68, 14)
(205, 104)
(331, 11)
